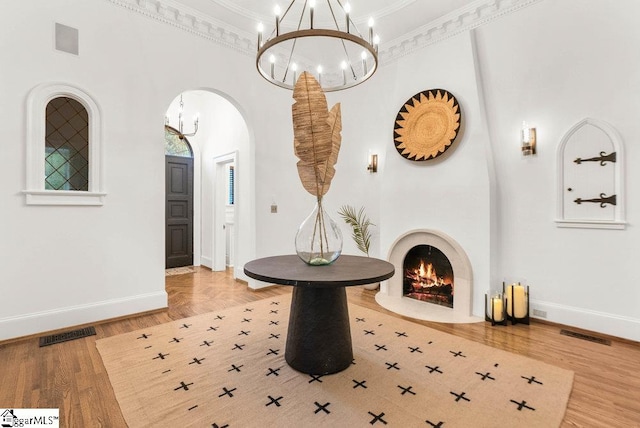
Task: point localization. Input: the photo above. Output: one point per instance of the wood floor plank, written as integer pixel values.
(70, 376)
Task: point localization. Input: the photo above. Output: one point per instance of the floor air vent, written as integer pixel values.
(586, 337)
(67, 335)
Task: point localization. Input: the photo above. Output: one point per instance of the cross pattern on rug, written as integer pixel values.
(228, 369)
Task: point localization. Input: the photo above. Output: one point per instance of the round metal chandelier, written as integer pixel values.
(323, 41)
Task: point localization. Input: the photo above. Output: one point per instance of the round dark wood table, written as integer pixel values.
(319, 336)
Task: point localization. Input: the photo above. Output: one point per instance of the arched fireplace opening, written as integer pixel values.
(392, 296)
(428, 276)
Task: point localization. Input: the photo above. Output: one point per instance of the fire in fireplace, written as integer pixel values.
(428, 276)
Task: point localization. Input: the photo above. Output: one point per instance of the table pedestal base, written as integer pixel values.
(319, 337)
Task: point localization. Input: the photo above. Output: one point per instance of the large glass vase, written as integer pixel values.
(319, 240)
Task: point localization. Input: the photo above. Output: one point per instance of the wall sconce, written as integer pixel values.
(373, 163)
(528, 140)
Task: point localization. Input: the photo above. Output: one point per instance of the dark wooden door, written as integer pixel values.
(179, 211)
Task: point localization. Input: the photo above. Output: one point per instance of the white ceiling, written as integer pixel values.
(393, 19)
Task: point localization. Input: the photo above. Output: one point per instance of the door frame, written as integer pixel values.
(218, 240)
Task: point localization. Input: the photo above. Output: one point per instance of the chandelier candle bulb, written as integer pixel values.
(343, 66)
(312, 6)
(370, 30)
(320, 75)
(260, 31)
(363, 55)
(294, 68)
(376, 42)
(347, 10)
(272, 60)
(276, 10)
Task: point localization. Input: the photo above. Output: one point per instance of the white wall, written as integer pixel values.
(450, 193)
(552, 64)
(68, 265)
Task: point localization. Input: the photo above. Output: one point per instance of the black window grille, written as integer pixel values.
(66, 145)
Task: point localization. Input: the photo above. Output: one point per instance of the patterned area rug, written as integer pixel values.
(227, 369)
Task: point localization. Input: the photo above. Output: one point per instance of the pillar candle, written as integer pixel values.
(497, 310)
(517, 294)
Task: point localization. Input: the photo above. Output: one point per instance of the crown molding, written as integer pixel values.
(388, 9)
(177, 15)
(464, 19)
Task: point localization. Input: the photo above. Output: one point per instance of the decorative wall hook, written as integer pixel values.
(603, 159)
(603, 200)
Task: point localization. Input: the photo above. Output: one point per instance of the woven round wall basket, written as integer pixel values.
(427, 125)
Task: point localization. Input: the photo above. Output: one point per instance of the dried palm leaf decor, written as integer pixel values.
(316, 131)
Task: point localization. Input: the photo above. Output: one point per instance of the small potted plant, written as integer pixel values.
(360, 232)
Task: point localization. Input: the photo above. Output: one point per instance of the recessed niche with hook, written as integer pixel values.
(590, 177)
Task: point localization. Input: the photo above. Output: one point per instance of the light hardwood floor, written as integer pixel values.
(70, 376)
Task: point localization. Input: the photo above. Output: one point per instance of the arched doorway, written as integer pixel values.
(222, 230)
(178, 199)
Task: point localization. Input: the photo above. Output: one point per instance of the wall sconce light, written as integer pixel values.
(373, 163)
(528, 140)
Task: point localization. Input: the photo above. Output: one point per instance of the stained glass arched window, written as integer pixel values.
(176, 144)
(64, 147)
(66, 161)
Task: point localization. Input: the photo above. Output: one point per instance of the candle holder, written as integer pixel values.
(517, 303)
(494, 309)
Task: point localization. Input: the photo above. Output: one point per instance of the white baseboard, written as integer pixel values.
(38, 322)
(206, 261)
(601, 322)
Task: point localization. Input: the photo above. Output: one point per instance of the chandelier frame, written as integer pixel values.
(368, 69)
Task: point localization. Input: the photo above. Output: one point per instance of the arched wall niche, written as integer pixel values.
(590, 177)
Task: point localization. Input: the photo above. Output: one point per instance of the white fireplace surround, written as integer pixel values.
(391, 291)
